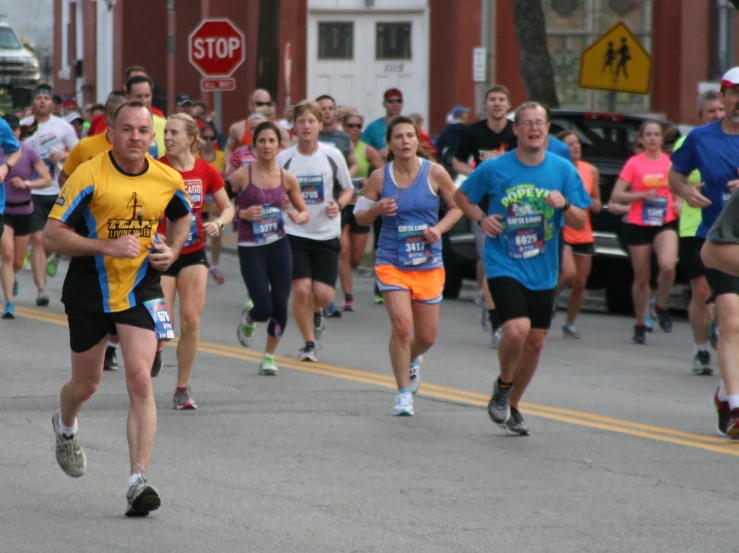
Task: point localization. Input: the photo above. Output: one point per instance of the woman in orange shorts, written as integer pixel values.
(408, 266)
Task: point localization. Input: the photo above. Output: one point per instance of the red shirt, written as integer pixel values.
(203, 179)
(97, 125)
(157, 111)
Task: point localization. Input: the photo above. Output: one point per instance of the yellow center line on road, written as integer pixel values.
(591, 420)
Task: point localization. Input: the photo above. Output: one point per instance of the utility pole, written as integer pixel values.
(268, 46)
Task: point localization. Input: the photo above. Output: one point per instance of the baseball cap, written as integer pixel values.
(183, 99)
(392, 93)
(72, 117)
(730, 78)
(70, 102)
(459, 111)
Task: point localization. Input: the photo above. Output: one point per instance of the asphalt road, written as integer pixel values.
(622, 456)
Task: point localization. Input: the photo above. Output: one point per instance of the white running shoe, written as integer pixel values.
(267, 366)
(403, 405)
(415, 375)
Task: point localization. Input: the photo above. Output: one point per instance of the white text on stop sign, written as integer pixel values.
(215, 47)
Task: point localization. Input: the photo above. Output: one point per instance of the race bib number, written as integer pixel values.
(162, 325)
(194, 236)
(654, 211)
(412, 248)
(358, 187)
(312, 189)
(269, 225)
(525, 235)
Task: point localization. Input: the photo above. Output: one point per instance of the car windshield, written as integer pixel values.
(600, 138)
(8, 40)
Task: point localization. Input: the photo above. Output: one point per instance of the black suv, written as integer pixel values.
(608, 141)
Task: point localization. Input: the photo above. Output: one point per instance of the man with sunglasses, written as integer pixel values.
(238, 134)
(374, 134)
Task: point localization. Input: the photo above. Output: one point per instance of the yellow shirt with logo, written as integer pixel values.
(85, 150)
(103, 202)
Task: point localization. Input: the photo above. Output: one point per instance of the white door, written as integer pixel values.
(355, 57)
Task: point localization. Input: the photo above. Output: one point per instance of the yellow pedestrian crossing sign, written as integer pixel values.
(616, 62)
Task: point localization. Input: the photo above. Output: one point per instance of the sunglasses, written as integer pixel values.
(353, 125)
(211, 138)
(394, 100)
(262, 104)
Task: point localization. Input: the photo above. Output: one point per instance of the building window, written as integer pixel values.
(393, 41)
(335, 41)
(572, 25)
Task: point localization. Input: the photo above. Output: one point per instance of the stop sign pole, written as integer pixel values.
(216, 48)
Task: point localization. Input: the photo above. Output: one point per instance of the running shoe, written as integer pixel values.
(378, 299)
(484, 318)
(479, 298)
(69, 452)
(403, 405)
(319, 325)
(664, 319)
(415, 375)
(499, 406)
(16, 288)
(156, 367)
(52, 265)
(9, 311)
(515, 423)
(245, 332)
(42, 300)
(723, 413)
(732, 428)
(267, 366)
(217, 275)
(308, 353)
(649, 324)
(640, 334)
(497, 335)
(26, 259)
(111, 359)
(142, 499)
(702, 363)
(348, 305)
(182, 400)
(331, 311)
(570, 331)
(713, 335)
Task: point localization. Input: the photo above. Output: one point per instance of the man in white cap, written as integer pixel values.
(713, 149)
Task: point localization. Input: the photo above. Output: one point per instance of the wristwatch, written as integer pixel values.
(567, 205)
(27, 183)
(481, 219)
(220, 224)
(10, 167)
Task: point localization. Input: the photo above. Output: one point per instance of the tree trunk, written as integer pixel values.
(536, 64)
(268, 46)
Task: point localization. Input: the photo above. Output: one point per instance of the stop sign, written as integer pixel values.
(216, 47)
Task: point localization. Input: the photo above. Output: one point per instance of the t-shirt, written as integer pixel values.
(202, 180)
(243, 156)
(337, 139)
(374, 134)
(527, 250)
(690, 217)
(716, 155)
(8, 142)
(321, 176)
(85, 150)
(585, 235)
(219, 162)
(54, 135)
(24, 170)
(556, 146)
(101, 201)
(644, 174)
(479, 142)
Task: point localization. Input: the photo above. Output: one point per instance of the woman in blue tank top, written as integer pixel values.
(408, 267)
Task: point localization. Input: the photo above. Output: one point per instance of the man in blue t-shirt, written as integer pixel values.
(531, 194)
(713, 149)
(374, 134)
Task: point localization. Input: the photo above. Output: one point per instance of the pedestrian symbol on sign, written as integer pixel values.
(610, 55)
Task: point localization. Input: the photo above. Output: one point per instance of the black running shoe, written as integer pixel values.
(723, 413)
(498, 407)
(640, 334)
(664, 319)
(515, 423)
(156, 368)
(111, 359)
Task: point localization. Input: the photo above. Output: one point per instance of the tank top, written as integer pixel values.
(401, 242)
(270, 227)
(363, 167)
(584, 236)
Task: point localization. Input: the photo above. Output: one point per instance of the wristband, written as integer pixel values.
(28, 184)
(219, 224)
(9, 166)
(567, 205)
(481, 219)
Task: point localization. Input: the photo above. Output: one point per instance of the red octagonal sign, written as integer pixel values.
(216, 47)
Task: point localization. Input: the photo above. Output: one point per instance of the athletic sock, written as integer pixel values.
(700, 347)
(68, 432)
(310, 344)
(722, 395)
(111, 344)
(504, 384)
(348, 297)
(733, 401)
(134, 478)
(404, 390)
(494, 319)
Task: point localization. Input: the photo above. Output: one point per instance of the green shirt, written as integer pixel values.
(690, 217)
